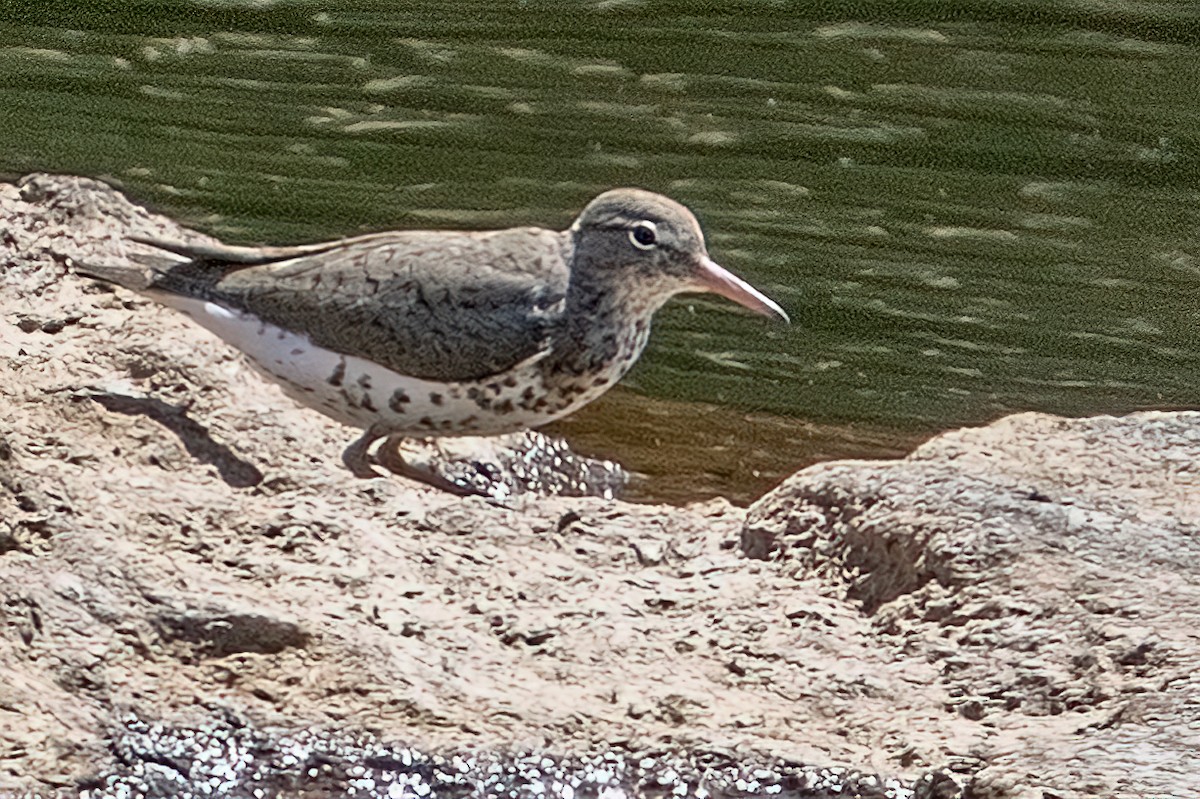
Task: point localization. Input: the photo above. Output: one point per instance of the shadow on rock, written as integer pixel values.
(194, 436)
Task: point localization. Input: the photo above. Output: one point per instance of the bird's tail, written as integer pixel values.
(139, 271)
(134, 278)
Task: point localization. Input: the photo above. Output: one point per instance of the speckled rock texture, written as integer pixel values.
(1047, 570)
(194, 591)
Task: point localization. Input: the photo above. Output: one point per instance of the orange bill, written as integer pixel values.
(719, 280)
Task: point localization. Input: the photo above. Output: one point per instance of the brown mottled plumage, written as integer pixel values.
(448, 333)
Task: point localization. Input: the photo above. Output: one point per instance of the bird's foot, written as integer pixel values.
(357, 456)
(388, 456)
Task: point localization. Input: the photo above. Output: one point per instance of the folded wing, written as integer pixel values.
(441, 306)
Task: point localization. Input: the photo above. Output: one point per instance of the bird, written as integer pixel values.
(431, 333)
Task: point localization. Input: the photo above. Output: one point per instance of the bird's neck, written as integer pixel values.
(604, 327)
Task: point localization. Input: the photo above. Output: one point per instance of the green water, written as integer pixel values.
(968, 209)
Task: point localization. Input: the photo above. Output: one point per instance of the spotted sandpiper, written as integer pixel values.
(442, 333)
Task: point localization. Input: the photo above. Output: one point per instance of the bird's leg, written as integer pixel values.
(357, 455)
(388, 456)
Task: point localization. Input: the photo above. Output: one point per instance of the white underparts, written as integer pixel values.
(359, 392)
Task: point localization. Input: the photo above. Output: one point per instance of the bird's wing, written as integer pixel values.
(434, 305)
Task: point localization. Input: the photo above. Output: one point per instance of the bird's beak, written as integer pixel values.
(719, 280)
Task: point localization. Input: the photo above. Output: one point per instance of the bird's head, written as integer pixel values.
(644, 242)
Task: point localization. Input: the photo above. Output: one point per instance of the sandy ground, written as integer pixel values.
(1010, 609)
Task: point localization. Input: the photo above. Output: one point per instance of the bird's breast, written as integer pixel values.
(586, 367)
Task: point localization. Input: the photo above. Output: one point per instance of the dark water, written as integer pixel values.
(968, 209)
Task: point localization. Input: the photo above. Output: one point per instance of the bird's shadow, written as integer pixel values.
(194, 436)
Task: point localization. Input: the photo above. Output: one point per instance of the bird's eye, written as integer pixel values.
(644, 235)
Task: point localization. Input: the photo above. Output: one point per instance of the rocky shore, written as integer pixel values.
(196, 598)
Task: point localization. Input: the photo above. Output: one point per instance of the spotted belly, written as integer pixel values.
(360, 393)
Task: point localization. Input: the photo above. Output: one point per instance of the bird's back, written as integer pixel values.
(443, 306)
